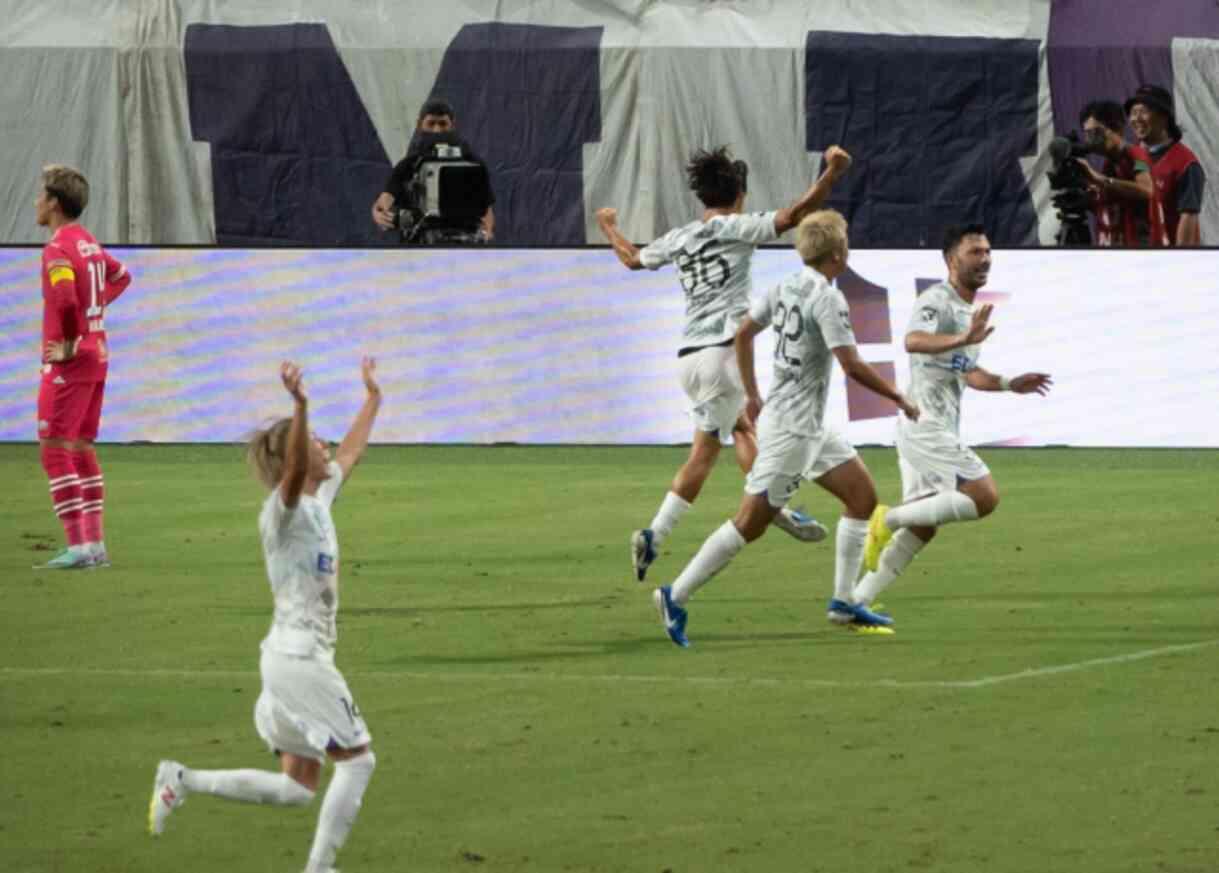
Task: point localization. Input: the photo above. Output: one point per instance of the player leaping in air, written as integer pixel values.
(79, 280)
(306, 712)
(942, 480)
(713, 257)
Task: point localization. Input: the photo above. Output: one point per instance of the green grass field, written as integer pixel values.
(529, 715)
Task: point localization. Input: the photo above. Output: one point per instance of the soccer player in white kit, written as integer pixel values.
(305, 712)
(812, 325)
(713, 256)
(942, 480)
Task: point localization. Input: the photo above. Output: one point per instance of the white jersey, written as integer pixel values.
(302, 557)
(713, 259)
(810, 317)
(937, 381)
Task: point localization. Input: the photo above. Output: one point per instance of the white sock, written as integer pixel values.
(895, 558)
(339, 808)
(252, 786)
(672, 508)
(942, 508)
(848, 555)
(717, 551)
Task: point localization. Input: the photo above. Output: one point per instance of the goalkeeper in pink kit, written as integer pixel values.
(79, 280)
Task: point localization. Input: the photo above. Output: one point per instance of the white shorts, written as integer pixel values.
(306, 708)
(711, 379)
(932, 461)
(786, 459)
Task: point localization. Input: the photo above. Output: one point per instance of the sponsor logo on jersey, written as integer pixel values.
(325, 563)
(960, 362)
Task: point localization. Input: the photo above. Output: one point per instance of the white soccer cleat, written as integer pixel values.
(168, 793)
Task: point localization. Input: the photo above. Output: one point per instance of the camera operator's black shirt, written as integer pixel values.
(404, 170)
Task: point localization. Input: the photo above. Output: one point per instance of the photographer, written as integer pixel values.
(1178, 180)
(398, 207)
(1121, 190)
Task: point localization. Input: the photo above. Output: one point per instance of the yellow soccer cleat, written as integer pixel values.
(871, 630)
(878, 537)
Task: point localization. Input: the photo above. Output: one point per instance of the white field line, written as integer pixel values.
(712, 681)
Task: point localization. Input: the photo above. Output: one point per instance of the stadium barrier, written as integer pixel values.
(565, 346)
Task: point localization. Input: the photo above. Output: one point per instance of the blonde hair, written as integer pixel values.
(68, 186)
(821, 235)
(266, 452)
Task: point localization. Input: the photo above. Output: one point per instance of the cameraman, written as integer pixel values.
(1121, 190)
(436, 121)
(1176, 196)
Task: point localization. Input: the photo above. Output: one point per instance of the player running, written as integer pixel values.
(79, 280)
(713, 256)
(305, 712)
(942, 480)
(812, 325)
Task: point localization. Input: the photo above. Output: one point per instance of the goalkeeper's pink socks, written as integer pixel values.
(92, 494)
(66, 497)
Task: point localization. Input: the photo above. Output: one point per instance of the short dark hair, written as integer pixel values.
(954, 233)
(436, 106)
(716, 178)
(1107, 112)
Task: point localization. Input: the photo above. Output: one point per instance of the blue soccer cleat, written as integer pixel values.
(856, 614)
(642, 553)
(672, 616)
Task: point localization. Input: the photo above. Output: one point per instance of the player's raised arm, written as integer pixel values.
(296, 451)
(352, 448)
(627, 251)
(927, 343)
(837, 162)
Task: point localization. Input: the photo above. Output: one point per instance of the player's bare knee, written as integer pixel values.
(987, 502)
(704, 450)
(861, 503)
(751, 523)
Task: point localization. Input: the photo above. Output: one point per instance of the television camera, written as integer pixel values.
(446, 194)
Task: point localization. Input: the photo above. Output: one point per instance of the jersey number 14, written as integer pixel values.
(97, 296)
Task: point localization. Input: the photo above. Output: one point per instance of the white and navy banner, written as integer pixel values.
(566, 346)
(202, 121)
